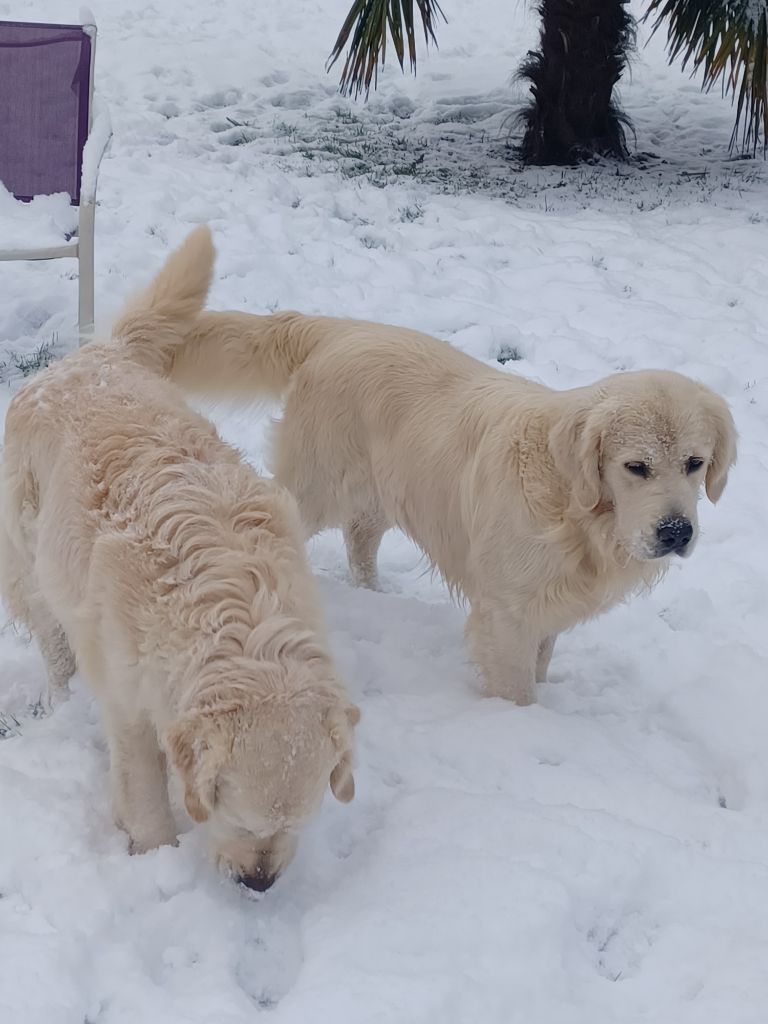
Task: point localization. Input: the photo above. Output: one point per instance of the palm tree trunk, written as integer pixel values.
(582, 54)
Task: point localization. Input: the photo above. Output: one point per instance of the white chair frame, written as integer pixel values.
(81, 247)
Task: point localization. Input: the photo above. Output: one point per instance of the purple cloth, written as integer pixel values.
(44, 95)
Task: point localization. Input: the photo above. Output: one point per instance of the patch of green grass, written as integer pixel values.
(25, 364)
(9, 725)
(30, 362)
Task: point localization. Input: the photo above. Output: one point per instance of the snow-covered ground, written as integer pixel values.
(600, 857)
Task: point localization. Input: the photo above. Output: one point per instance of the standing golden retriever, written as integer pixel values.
(542, 508)
(137, 544)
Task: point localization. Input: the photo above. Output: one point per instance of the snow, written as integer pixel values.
(601, 856)
(47, 222)
(95, 147)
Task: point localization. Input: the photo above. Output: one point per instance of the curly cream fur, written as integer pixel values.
(137, 542)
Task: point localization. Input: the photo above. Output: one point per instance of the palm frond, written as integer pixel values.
(370, 22)
(729, 40)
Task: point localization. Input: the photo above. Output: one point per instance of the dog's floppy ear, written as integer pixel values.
(193, 744)
(574, 444)
(340, 725)
(724, 452)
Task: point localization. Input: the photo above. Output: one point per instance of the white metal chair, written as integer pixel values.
(52, 137)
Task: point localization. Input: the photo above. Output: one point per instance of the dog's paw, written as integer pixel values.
(523, 697)
(146, 845)
(52, 698)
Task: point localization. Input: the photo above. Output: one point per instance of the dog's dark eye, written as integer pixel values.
(638, 469)
(693, 464)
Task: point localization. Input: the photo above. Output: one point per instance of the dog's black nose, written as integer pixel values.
(673, 535)
(259, 881)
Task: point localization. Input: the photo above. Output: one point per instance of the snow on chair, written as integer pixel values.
(51, 143)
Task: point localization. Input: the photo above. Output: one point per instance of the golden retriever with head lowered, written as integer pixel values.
(542, 508)
(138, 544)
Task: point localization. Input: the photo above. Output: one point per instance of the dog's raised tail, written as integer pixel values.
(158, 320)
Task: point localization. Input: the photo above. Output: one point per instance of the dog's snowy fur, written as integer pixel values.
(527, 500)
(138, 545)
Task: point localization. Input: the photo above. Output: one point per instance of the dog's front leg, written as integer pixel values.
(139, 783)
(506, 649)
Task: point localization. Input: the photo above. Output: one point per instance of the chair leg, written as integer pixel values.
(86, 271)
